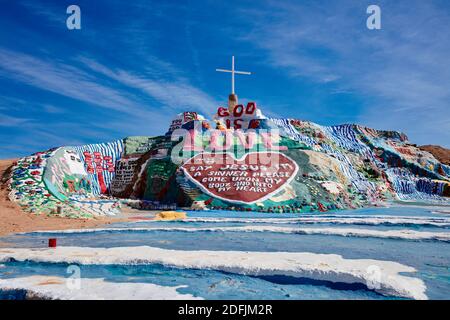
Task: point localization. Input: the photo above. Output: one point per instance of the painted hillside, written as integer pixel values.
(318, 168)
(440, 153)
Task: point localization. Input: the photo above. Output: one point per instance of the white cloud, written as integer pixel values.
(402, 71)
(63, 79)
(9, 121)
(55, 15)
(130, 113)
(176, 93)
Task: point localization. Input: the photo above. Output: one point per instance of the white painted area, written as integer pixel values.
(372, 220)
(404, 234)
(48, 287)
(76, 166)
(328, 267)
(332, 187)
(441, 211)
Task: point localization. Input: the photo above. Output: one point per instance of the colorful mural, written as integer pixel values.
(248, 180)
(125, 170)
(65, 175)
(245, 162)
(99, 160)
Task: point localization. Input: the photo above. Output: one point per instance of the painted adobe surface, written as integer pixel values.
(325, 168)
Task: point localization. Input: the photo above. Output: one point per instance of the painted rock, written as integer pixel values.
(255, 177)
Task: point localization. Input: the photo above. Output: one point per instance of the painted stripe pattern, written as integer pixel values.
(100, 160)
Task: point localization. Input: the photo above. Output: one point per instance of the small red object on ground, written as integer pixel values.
(52, 243)
(321, 207)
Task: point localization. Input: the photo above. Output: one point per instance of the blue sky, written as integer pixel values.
(135, 64)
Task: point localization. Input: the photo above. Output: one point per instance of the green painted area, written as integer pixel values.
(338, 167)
(139, 144)
(161, 184)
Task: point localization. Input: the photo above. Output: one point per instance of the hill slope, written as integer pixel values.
(310, 168)
(440, 153)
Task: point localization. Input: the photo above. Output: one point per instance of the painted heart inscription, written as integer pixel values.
(253, 178)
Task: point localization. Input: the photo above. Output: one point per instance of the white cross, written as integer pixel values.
(232, 71)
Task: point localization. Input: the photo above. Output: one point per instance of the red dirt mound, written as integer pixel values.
(440, 153)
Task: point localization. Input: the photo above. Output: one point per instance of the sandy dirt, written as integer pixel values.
(13, 219)
(440, 153)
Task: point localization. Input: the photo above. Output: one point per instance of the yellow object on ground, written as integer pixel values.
(170, 215)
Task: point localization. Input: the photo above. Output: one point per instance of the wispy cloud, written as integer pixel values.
(175, 94)
(128, 68)
(401, 70)
(48, 11)
(53, 109)
(73, 82)
(8, 121)
(62, 79)
(98, 86)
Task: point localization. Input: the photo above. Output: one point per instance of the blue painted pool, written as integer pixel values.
(431, 258)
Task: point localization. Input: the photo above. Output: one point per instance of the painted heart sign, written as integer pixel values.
(253, 178)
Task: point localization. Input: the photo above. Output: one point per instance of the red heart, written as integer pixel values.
(254, 178)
